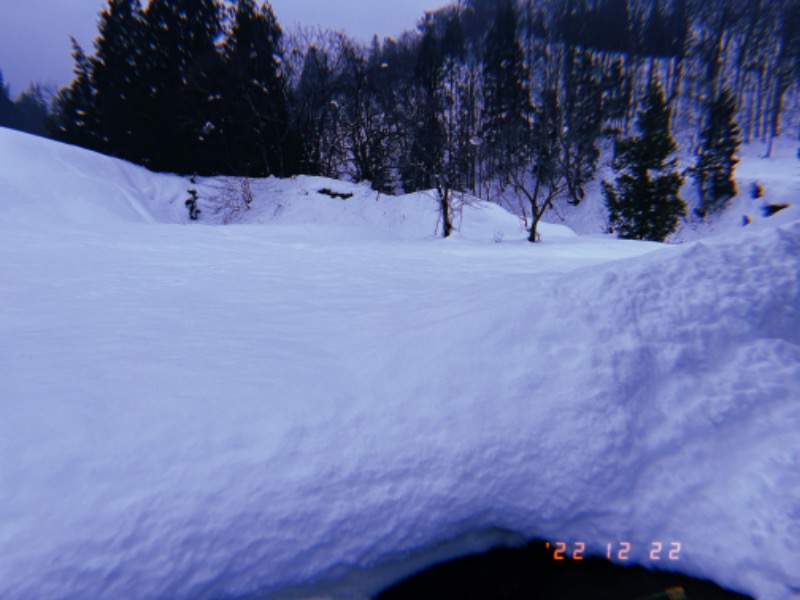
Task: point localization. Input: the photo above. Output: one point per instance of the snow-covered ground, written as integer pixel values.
(324, 397)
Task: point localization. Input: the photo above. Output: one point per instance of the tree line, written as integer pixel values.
(484, 96)
(28, 112)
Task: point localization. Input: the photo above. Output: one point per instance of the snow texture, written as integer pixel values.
(325, 397)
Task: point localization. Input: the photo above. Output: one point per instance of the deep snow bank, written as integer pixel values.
(42, 181)
(204, 412)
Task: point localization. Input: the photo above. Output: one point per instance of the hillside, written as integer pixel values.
(323, 397)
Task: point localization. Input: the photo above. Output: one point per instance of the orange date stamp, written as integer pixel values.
(620, 551)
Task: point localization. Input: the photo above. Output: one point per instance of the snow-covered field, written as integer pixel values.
(323, 396)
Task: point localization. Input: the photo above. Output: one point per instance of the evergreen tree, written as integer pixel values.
(180, 58)
(116, 77)
(507, 102)
(717, 160)
(33, 111)
(644, 202)
(257, 116)
(75, 117)
(7, 108)
(616, 98)
(583, 120)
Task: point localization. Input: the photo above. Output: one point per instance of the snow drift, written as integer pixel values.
(206, 412)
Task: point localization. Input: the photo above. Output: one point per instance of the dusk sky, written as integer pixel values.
(34, 34)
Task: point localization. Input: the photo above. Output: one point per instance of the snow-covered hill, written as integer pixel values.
(325, 397)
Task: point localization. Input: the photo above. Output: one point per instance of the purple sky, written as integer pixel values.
(34, 34)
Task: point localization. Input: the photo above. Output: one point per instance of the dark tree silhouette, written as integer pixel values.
(644, 204)
(716, 161)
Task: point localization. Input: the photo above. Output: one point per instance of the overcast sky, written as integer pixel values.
(34, 34)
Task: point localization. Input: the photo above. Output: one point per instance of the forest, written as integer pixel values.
(483, 95)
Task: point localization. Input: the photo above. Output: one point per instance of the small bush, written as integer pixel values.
(191, 204)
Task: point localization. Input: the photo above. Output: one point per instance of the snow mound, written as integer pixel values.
(357, 211)
(207, 412)
(42, 181)
(45, 182)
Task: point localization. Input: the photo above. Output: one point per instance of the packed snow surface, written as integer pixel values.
(324, 396)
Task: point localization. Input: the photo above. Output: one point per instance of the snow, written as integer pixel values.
(779, 177)
(324, 397)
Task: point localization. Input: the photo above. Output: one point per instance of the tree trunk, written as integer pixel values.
(536, 214)
(444, 205)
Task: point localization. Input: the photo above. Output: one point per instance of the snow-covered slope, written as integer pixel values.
(327, 397)
(50, 183)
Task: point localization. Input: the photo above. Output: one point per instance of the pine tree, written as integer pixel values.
(75, 115)
(181, 54)
(33, 111)
(583, 117)
(257, 116)
(616, 97)
(644, 202)
(7, 108)
(717, 160)
(116, 66)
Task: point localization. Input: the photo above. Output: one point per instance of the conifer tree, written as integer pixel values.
(7, 109)
(180, 41)
(115, 75)
(75, 116)
(644, 202)
(32, 109)
(257, 117)
(583, 119)
(717, 160)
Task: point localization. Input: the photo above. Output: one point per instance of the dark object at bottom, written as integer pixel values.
(530, 573)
